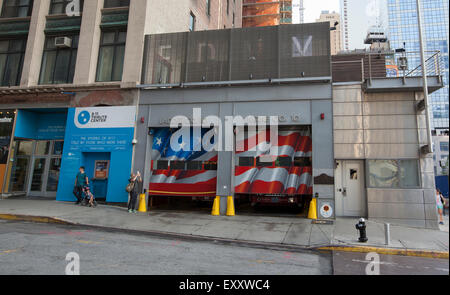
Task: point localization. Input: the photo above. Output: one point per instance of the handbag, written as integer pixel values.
(130, 187)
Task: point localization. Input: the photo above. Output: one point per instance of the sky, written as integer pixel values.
(314, 7)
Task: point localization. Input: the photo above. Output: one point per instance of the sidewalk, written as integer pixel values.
(284, 232)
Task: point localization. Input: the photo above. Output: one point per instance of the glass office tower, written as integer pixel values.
(403, 27)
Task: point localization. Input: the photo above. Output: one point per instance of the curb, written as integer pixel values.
(388, 251)
(37, 219)
(245, 243)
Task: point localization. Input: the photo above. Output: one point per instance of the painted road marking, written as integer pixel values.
(8, 251)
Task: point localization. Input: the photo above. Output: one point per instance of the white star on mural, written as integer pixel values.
(159, 141)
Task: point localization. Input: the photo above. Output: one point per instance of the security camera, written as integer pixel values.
(134, 142)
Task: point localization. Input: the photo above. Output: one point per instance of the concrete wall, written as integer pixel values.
(386, 126)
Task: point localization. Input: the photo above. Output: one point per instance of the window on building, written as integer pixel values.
(208, 7)
(393, 173)
(177, 165)
(11, 61)
(116, 3)
(228, 6)
(17, 8)
(194, 165)
(59, 6)
(191, 22)
(246, 162)
(58, 62)
(111, 56)
(443, 145)
(162, 165)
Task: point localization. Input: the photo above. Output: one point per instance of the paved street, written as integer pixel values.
(29, 248)
(349, 263)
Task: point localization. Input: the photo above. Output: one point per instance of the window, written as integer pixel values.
(208, 7)
(58, 63)
(246, 162)
(11, 61)
(191, 22)
(17, 8)
(194, 165)
(162, 165)
(210, 165)
(393, 173)
(111, 56)
(177, 165)
(283, 162)
(302, 162)
(116, 3)
(228, 6)
(264, 161)
(443, 146)
(59, 6)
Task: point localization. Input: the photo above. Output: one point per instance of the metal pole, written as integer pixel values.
(387, 233)
(424, 78)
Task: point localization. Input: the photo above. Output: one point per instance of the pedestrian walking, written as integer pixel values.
(440, 206)
(133, 188)
(81, 180)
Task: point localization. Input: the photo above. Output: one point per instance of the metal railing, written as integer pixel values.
(366, 66)
(396, 66)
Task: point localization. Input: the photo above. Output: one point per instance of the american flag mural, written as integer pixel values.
(274, 176)
(182, 182)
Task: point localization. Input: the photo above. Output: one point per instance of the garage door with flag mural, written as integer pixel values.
(188, 170)
(286, 172)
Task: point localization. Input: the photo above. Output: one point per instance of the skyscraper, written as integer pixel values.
(403, 29)
(298, 12)
(357, 17)
(335, 35)
(260, 13)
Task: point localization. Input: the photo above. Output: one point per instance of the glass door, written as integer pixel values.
(45, 169)
(22, 151)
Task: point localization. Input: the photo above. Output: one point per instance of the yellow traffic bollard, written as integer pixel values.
(312, 214)
(142, 204)
(230, 207)
(216, 207)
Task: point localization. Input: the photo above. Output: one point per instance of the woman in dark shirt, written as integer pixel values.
(137, 180)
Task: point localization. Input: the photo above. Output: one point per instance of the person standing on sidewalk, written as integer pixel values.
(136, 181)
(81, 180)
(440, 206)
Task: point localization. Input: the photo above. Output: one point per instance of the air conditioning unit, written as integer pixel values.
(63, 42)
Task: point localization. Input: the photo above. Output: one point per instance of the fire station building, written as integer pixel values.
(351, 141)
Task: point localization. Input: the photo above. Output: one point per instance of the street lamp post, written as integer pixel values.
(424, 78)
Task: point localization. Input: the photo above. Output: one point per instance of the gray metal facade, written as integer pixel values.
(306, 102)
(292, 51)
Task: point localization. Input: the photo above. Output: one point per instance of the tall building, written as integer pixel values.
(59, 55)
(298, 12)
(357, 17)
(404, 31)
(260, 13)
(335, 35)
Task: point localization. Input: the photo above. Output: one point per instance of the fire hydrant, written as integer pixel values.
(361, 226)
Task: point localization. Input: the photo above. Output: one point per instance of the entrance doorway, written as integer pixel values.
(36, 167)
(350, 188)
